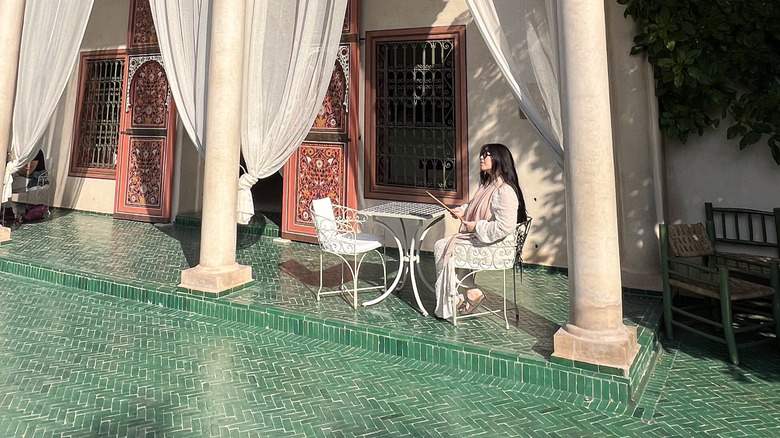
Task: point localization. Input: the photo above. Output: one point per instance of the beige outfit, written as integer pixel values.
(494, 207)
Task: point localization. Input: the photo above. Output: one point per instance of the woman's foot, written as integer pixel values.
(474, 298)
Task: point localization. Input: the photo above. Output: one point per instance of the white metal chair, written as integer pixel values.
(498, 256)
(44, 184)
(338, 233)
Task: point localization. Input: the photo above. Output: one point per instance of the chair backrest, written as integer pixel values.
(323, 208)
(324, 219)
(689, 240)
(45, 179)
(522, 235)
(743, 226)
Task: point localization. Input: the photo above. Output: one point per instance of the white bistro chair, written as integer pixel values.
(338, 233)
(43, 186)
(499, 256)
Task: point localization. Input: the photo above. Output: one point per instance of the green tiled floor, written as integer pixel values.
(75, 363)
(286, 277)
(143, 262)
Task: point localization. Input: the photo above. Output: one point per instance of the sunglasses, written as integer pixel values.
(484, 154)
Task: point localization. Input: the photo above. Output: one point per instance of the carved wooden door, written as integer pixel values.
(145, 157)
(326, 162)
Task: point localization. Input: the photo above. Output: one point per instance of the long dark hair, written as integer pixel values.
(503, 166)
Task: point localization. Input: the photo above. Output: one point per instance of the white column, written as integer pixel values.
(11, 19)
(218, 270)
(595, 332)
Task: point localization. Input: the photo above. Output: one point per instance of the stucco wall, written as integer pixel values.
(106, 29)
(638, 155)
(713, 169)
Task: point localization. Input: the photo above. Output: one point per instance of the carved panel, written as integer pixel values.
(149, 94)
(320, 174)
(142, 32)
(332, 116)
(144, 172)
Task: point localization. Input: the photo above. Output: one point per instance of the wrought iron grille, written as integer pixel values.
(416, 114)
(101, 112)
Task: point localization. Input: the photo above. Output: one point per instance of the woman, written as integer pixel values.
(490, 216)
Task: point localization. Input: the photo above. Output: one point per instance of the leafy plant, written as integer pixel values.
(714, 57)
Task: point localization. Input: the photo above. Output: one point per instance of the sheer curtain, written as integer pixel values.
(290, 51)
(526, 51)
(183, 33)
(51, 37)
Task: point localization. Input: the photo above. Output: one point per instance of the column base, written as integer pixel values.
(615, 348)
(5, 234)
(215, 280)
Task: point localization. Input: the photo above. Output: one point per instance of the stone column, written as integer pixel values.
(595, 332)
(11, 19)
(218, 270)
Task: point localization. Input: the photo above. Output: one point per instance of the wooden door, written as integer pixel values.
(326, 162)
(145, 157)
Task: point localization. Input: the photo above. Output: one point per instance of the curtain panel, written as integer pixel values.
(526, 52)
(289, 55)
(183, 32)
(51, 38)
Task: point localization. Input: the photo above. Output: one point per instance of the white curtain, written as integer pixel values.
(290, 51)
(183, 34)
(51, 37)
(526, 51)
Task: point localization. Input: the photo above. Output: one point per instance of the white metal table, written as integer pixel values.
(424, 216)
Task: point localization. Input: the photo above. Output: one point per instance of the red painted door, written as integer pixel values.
(326, 162)
(145, 156)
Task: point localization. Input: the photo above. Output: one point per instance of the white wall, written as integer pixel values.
(713, 169)
(106, 29)
(638, 154)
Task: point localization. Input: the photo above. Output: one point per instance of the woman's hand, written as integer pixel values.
(457, 212)
(470, 226)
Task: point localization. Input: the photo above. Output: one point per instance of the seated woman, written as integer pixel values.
(27, 176)
(490, 216)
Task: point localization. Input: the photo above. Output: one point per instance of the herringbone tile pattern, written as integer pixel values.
(287, 277)
(82, 364)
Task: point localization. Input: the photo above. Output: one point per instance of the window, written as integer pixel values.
(416, 114)
(98, 114)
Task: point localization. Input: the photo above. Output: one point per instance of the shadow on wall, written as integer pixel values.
(494, 116)
(57, 145)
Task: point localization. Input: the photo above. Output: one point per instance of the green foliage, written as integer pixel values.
(714, 56)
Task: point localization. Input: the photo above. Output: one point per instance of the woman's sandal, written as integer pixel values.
(470, 305)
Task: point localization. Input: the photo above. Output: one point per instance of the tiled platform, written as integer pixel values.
(143, 262)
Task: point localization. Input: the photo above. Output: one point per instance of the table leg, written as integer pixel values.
(422, 238)
(403, 257)
(414, 259)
